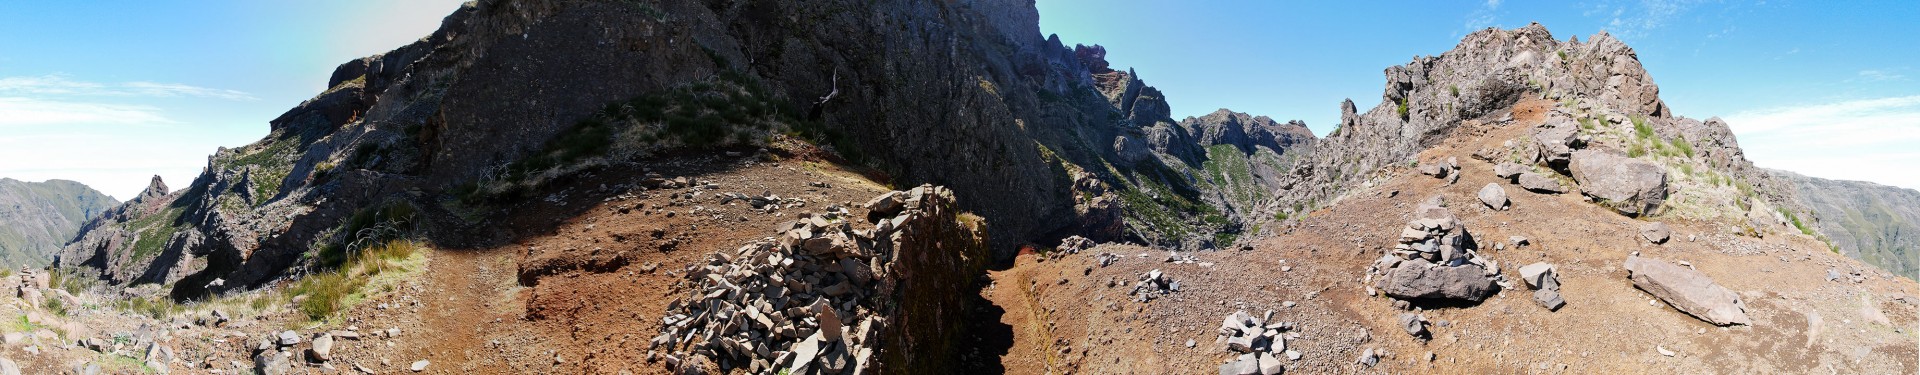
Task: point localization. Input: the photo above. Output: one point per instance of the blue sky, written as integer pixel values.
(1829, 89)
(111, 93)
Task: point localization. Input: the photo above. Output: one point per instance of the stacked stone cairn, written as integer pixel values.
(1435, 258)
(1259, 340)
(801, 302)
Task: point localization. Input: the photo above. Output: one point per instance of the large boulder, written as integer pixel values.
(1688, 290)
(1419, 279)
(1631, 186)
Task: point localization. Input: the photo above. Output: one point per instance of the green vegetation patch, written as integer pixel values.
(732, 110)
(153, 231)
(329, 292)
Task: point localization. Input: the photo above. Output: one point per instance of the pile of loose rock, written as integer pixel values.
(1448, 169)
(1258, 340)
(1153, 284)
(801, 302)
(1545, 281)
(1435, 258)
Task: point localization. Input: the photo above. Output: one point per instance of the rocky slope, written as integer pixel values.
(37, 218)
(564, 157)
(1874, 223)
(1606, 99)
(1043, 139)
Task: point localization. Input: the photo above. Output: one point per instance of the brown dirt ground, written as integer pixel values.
(1066, 319)
(580, 299)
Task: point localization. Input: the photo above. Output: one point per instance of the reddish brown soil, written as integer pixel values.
(1065, 322)
(581, 299)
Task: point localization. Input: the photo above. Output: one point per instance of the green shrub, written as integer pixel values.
(1637, 150)
(1640, 128)
(327, 292)
(1454, 89)
(1680, 143)
(1402, 110)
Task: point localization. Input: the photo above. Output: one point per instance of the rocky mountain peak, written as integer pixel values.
(155, 188)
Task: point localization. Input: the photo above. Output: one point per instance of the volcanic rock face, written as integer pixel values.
(1016, 123)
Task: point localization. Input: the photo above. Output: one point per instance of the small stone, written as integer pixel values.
(418, 366)
(1293, 355)
(1663, 350)
(322, 347)
(1190, 343)
(289, 338)
(1413, 325)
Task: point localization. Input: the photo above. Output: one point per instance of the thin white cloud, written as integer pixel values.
(1876, 75)
(32, 111)
(1649, 15)
(59, 85)
(1482, 17)
(1868, 140)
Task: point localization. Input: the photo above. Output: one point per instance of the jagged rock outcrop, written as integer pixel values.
(1427, 98)
(37, 218)
(1247, 132)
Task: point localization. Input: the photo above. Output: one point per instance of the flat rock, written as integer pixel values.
(1418, 279)
(1270, 365)
(1655, 232)
(1538, 275)
(418, 366)
(1540, 183)
(1509, 170)
(1688, 290)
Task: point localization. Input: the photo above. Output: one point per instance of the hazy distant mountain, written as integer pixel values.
(1875, 223)
(37, 218)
